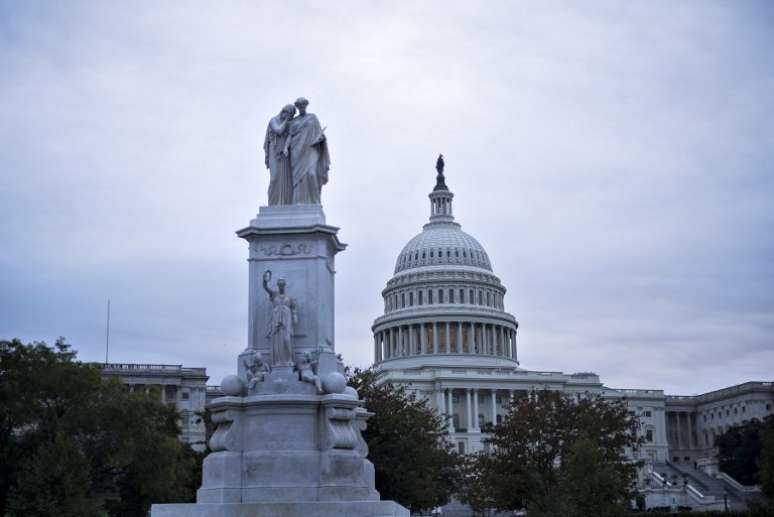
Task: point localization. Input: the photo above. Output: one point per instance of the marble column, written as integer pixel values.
(679, 431)
(475, 409)
(448, 339)
(411, 339)
(450, 410)
(691, 441)
(471, 339)
(440, 401)
(435, 337)
(376, 347)
(400, 340)
(423, 338)
(494, 407)
(503, 346)
(459, 337)
(468, 409)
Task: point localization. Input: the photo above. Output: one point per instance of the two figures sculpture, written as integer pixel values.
(296, 155)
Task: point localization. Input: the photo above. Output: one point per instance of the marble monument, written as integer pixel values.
(288, 437)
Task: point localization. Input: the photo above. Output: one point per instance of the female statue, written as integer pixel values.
(275, 146)
(309, 158)
(283, 319)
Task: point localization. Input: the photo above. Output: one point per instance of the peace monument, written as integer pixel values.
(288, 437)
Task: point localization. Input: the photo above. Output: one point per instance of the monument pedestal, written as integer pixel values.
(303, 509)
(288, 434)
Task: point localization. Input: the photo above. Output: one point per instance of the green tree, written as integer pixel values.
(54, 481)
(408, 445)
(766, 468)
(538, 450)
(70, 441)
(740, 447)
(590, 484)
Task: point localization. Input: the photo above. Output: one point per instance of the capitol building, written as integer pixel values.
(447, 337)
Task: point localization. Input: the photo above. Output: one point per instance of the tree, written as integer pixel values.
(766, 468)
(740, 447)
(539, 451)
(85, 447)
(408, 444)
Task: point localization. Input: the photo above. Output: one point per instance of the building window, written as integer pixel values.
(430, 297)
(186, 395)
(402, 299)
(451, 295)
(488, 299)
(647, 413)
(471, 297)
(462, 295)
(419, 298)
(440, 295)
(744, 409)
(411, 299)
(480, 298)
(649, 436)
(768, 407)
(461, 447)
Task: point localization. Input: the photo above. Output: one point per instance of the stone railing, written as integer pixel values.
(151, 368)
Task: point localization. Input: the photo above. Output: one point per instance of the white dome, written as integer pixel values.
(442, 244)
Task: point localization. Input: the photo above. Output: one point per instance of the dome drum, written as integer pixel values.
(464, 336)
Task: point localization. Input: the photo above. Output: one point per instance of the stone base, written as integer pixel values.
(302, 509)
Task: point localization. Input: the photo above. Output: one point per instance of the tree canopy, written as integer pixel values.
(740, 447)
(556, 456)
(72, 444)
(408, 444)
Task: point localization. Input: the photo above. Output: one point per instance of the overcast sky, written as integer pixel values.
(615, 159)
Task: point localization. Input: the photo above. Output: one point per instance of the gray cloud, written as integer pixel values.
(614, 159)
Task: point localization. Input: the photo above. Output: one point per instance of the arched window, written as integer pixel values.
(419, 295)
(480, 297)
(462, 295)
(411, 299)
(402, 299)
(430, 296)
(488, 299)
(440, 295)
(451, 295)
(471, 297)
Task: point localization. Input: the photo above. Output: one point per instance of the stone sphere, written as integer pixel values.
(232, 386)
(334, 382)
(352, 392)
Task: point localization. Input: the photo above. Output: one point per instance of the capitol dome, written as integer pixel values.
(444, 300)
(442, 244)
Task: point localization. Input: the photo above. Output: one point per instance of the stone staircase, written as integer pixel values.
(707, 485)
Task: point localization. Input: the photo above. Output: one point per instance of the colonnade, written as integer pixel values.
(445, 337)
(481, 407)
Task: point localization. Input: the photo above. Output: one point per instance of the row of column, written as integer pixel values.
(476, 410)
(461, 337)
(690, 443)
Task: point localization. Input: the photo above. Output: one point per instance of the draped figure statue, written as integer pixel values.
(309, 158)
(283, 318)
(276, 148)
